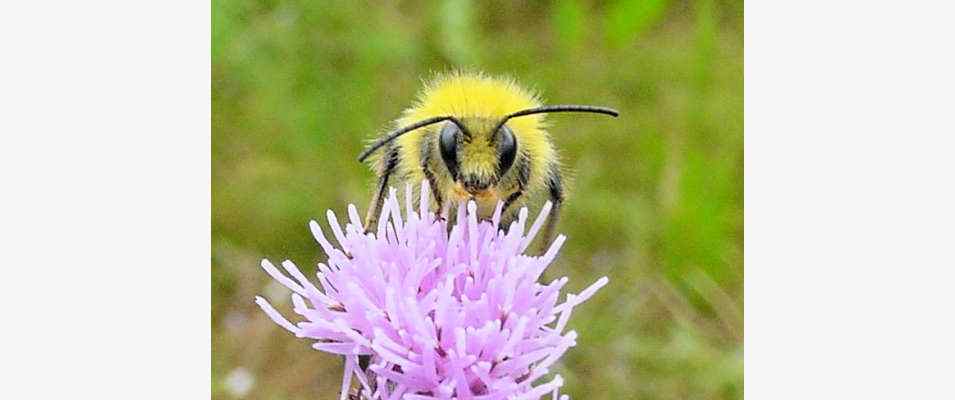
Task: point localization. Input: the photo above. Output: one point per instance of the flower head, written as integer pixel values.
(440, 313)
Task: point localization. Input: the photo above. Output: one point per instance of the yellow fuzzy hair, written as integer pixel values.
(475, 95)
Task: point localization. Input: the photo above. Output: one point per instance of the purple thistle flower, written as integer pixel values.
(441, 315)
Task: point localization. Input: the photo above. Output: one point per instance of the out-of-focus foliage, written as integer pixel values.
(655, 196)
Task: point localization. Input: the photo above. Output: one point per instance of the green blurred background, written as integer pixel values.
(655, 197)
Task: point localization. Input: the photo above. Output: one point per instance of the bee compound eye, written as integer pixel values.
(506, 149)
(448, 143)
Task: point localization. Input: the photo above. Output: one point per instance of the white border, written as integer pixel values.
(104, 154)
(105, 158)
(849, 180)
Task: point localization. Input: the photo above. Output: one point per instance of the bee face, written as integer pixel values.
(477, 155)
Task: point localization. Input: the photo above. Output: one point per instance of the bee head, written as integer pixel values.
(477, 152)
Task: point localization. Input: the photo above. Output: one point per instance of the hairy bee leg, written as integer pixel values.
(523, 177)
(444, 213)
(426, 152)
(507, 215)
(550, 230)
(556, 190)
(378, 200)
(435, 192)
(511, 199)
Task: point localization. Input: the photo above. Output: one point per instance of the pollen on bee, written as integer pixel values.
(463, 194)
(460, 192)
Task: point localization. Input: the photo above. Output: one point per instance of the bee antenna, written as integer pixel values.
(558, 108)
(401, 131)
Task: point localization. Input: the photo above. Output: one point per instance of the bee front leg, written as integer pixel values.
(427, 153)
(555, 188)
(378, 200)
(523, 178)
(374, 208)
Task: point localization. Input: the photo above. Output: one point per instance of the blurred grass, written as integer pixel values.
(655, 196)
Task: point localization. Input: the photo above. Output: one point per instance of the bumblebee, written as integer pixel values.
(473, 137)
